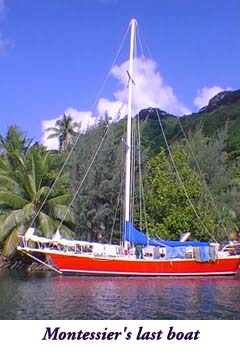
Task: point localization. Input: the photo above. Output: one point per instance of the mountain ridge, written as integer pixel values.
(223, 110)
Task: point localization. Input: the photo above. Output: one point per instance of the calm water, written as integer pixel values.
(51, 297)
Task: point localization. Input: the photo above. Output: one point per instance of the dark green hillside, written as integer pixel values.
(221, 112)
(224, 116)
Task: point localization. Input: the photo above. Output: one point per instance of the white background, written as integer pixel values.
(23, 338)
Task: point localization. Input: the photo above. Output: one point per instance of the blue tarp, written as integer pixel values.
(138, 238)
(176, 252)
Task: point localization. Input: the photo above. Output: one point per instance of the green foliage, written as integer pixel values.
(169, 207)
(224, 116)
(221, 177)
(24, 186)
(98, 201)
(209, 136)
(15, 141)
(64, 130)
(28, 171)
(152, 138)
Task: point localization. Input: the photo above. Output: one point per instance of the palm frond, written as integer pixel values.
(10, 221)
(53, 135)
(62, 212)
(42, 193)
(11, 243)
(66, 232)
(44, 224)
(11, 200)
(45, 163)
(59, 123)
(29, 212)
(38, 170)
(52, 129)
(59, 200)
(30, 186)
(8, 183)
(4, 165)
(25, 180)
(21, 161)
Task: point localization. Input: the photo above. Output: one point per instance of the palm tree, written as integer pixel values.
(23, 201)
(64, 131)
(14, 142)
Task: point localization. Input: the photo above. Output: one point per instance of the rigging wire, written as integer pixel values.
(141, 187)
(142, 205)
(111, 66)
(141, 41)
(79, 134)
(140, 173)
(179, 177)
(122, 215)
(133, 166)
(115, 215)
(120, 195)
(133, 157)
(140, 37)
(203, 178)
(85, 176)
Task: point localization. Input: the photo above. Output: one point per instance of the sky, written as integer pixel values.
(69, 56)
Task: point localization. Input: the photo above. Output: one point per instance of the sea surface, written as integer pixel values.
(51, 297)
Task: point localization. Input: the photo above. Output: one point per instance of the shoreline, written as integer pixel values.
(21, 265)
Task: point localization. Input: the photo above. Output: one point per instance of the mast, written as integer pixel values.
(133, 24)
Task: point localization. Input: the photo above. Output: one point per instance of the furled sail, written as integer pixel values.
(138, 238)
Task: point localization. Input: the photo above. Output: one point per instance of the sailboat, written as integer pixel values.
(138, 255)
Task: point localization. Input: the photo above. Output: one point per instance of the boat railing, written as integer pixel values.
(36, 243)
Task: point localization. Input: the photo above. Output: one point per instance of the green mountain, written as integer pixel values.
(223, 110)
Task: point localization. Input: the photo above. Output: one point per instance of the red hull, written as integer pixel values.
(132, 267)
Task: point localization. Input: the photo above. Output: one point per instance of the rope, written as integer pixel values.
(180, 179)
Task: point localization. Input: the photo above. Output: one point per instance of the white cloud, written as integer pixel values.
(113, 108)
(205, 94)
(150, 91)
(85, 119)
(51, 144)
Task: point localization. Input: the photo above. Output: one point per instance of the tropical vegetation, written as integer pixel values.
(26, 175)
(64, 131)
(190, 179)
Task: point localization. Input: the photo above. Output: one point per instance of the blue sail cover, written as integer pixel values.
(138, 238)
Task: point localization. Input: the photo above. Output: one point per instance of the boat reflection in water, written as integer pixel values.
(56, 297)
